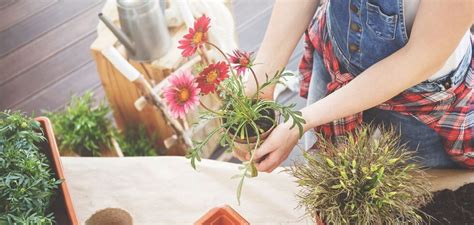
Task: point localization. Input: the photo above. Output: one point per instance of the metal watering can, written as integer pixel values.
(144, 31)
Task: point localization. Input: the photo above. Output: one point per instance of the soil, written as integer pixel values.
(263, 123)
(452, 207)
(110, 216)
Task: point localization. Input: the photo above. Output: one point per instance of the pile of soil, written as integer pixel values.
(452, 207)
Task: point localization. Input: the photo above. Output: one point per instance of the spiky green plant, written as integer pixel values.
(27, 184)
(83, 127)
(362, 179)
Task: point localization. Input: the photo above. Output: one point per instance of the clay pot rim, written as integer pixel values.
(56, 166)
(263, 136)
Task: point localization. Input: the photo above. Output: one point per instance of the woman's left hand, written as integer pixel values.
(276, 148)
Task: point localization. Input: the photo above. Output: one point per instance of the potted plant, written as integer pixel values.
(84, 129)
(246, 121)
(134, 141)
(32, 185)
(362, 179)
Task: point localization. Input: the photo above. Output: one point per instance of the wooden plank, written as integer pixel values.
(20, 10)
(43, 75)
(47, 45)
(249, 39)
(246, 11)
(55, 96)
(41, 23)
(6, 3)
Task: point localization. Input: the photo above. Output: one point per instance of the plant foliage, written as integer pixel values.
(81, 127)
(362, 180)
(27, 184)
(135, 142)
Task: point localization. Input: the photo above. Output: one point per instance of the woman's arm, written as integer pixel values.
(438, 28)
(288, 22)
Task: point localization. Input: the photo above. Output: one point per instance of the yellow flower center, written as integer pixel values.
(198, 37)
(183, 95)
(243, 61)
(212, 76)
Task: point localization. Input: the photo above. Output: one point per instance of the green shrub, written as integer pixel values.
(362, 180)
(81, 127)
(27, 184)
(135, 142)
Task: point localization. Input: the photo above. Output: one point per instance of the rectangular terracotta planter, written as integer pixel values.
(224, 215)
(61, 206)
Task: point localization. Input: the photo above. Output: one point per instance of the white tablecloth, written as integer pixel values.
(166, 190)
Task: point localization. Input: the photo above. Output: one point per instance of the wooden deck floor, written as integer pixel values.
(45, 56)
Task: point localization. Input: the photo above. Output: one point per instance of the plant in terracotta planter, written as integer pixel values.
(83, 128)
(27, 183)
(362, 179)
(246, 121)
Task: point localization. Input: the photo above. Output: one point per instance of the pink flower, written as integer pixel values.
(211, 76)
(241, 60)
(196, 37)
(182, 95)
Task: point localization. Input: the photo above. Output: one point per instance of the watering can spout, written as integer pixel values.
(118, 33)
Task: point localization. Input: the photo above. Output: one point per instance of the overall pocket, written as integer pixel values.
(382, 25)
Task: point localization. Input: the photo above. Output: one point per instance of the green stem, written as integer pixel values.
(209, 109)
(256, 82)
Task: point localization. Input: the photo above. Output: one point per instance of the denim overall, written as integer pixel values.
(364, 32)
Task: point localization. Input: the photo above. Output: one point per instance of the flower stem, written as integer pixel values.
(256, 81)
(224, 55)
(208, 109)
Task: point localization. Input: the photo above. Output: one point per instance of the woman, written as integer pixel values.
(407, 63)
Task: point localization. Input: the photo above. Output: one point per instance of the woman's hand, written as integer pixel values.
(276, 148)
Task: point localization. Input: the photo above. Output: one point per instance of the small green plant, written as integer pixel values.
(135, 142)
(362, 180)
(27, 184)
(81, 127)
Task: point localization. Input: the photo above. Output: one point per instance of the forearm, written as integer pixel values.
(287, 24)
(431, 43)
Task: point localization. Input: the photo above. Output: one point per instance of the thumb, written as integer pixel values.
(264, 149)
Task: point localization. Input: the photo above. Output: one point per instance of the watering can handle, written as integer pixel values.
(118, 33)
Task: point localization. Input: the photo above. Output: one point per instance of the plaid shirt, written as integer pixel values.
(449, 113)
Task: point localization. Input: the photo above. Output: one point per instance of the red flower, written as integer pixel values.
(196, 37)
(241, 60)
(211, 76)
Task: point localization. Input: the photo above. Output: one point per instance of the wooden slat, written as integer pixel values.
(43, 22)
(6, 3)
(249, 39)
(60, 93)
(246, 11)
(47, 45)
(20, 10)
(43, 75)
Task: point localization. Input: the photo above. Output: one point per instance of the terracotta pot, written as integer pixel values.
(243, 145)
(61, 207)
(224, 215)
(318, 220)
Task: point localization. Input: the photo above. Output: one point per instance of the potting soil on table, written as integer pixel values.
(452, 207)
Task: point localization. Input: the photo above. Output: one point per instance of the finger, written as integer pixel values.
(264, 149)
(239, 154)
(268, 163)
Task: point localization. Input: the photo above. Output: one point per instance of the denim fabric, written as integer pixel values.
(418, 137)
(366, 31)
